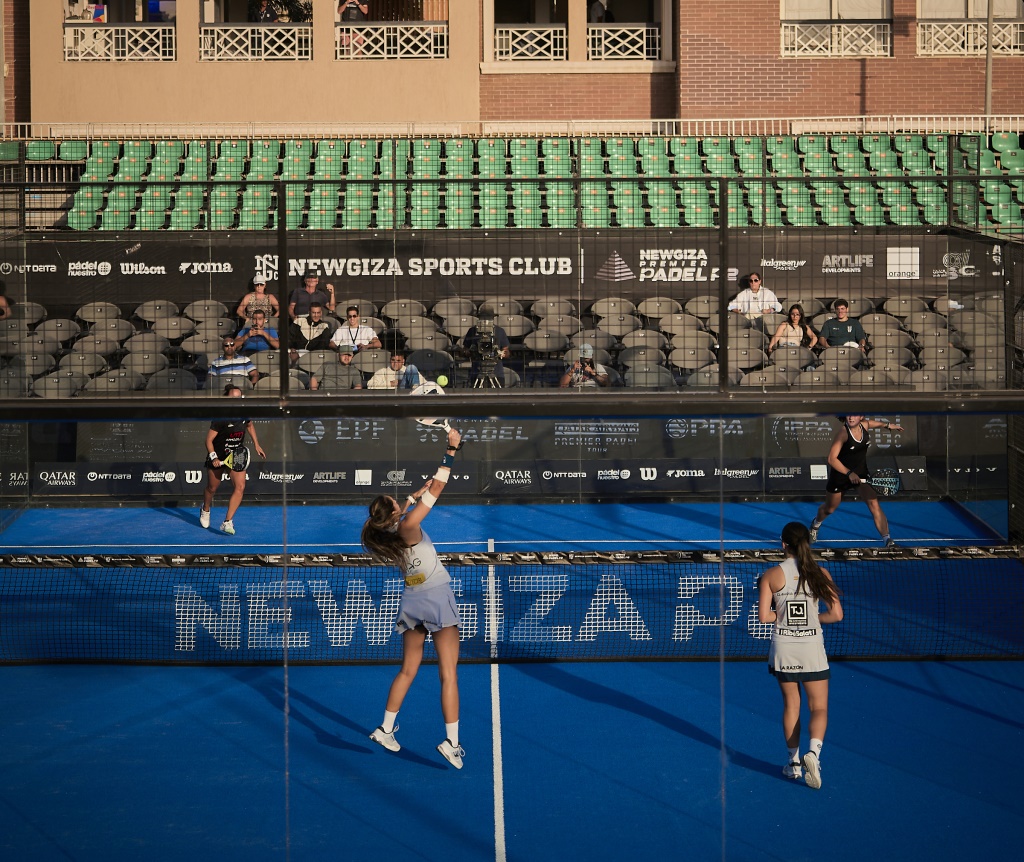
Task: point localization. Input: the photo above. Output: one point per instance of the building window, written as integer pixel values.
(959, 28)
(391, 30)
(121, 30)
(836, 28)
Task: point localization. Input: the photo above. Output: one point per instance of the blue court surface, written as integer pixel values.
(624, 526)
(601, 761)
(595, 761)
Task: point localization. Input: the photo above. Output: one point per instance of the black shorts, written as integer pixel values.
(839, 484)
(801, 676)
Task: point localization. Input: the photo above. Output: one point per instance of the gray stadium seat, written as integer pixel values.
(649, 377)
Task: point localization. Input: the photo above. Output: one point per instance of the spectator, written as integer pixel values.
(487, 344)
(355, 333)
(596, 11)
(352, 13)
(258, 300)
(262, 12)
(5, 306)
(231, 365)
(793, 332)
(310, 332)
(754, 299)
(843, 329)
(258, 336)
(396, 376)
(303, 297)
(584, 373)
(338, 376)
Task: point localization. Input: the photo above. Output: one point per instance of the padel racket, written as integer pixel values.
(237, 459)
(885, 481)
(431, 388)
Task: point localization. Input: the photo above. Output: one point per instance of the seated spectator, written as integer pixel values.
(257, 337)
(258, 300)
(842, 330)
(5, 306)
(754, 299)
(338, 376)
(262, 12)
(584, 373)
(793, 332)
(230, 365)
(303, 297)
(355, 333)
(397, 375)
(310, 332)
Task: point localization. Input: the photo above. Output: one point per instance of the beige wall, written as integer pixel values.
(318, 92)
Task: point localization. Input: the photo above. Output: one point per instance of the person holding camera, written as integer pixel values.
(352, 12)
(487, 344)
(257, 337)
(584, 373)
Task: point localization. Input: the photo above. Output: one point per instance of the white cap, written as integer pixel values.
(586, 351)
(259, 279)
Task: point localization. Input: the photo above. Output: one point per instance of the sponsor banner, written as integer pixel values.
(977, 473)
(521, 264)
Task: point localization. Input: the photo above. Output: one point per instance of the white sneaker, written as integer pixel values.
(812, 771)
(228, 527)
(204, 518)
(813, 534)
(386, 739)
(793, 770)
(452, 753)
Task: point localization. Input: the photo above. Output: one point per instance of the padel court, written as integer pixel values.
(571, 759)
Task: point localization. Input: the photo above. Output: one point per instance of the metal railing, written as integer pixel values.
(533, 42)
(405, 40)
(834, 38)
(220, 42)
(623, 42)
(969, 38)
(105, 42)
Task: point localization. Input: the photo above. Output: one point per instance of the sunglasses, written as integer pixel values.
(756, 279)
(353, 316)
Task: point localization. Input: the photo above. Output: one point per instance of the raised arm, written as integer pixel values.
(418, 505)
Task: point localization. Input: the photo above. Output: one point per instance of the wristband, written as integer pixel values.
(428, 499)
(212, 456)
(442, 474)
(411, 500)
(448, 460)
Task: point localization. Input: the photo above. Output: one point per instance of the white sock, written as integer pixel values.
(794, 754)
(816, 747)
(451, 728)
(815, 524)
(388, 724)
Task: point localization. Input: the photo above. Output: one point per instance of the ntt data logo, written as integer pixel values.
(103, 477)
(21, 268)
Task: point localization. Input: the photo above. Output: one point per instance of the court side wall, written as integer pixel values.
(189, 91)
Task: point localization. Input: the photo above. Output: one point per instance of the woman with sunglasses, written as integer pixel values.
(793, 332)
(354, 333)
(754, 300)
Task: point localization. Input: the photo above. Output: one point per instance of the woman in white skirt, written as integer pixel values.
(789, 595)
(395, 537)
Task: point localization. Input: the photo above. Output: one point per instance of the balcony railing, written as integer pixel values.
(256, 42)
(149, 42)
(391, 41)
(531, 43)
(623, 42)
(969, 38)
(836, 38)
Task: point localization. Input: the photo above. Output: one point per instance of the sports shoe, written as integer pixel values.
(452, 753)
(228, 527)
(793, 770)
(204, 519)
(890, 543)
(814, 534)
(812, 771)
(386, 739)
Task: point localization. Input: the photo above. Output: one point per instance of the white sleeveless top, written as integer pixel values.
(422, 568)
(798, 645)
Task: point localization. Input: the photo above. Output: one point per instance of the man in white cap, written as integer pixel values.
(584, 372)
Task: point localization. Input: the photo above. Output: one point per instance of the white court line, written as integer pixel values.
(493, 609)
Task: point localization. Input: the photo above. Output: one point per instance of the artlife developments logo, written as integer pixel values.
(835, 264)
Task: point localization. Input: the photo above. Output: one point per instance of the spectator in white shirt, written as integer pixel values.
(355, 333)
(754, 299)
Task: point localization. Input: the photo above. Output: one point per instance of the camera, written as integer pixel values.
(485, 347)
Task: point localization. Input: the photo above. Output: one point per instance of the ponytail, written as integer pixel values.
(380, 537)
(813, 579)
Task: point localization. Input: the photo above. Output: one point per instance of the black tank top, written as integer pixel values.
(854, 455)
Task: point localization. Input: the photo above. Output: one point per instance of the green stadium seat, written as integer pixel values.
(863, 194)
(819, 164)
(458, 205)
(523, 157)
(752, 164)
(596, 216)
(918, 162)
(591, 157)
(329, 162)
(230, 163)
(494, 210)
(1007, 213)
(555, 147)
(688, 165)
(696, 215)
(116, 217)
(149, 217)
(654, 159)
(295, 204)
(907, 143)
(870, 215)
(265, 161)
(426, 158)
(851, 163)
(748, 146)
(98, 167)
(82, 219)
(906, 215)
(721, 165)
(73, 151)
(10, 151)
(560, 202)
(884, 163)
(299, 148)
(719, 145)
(934, 213)
(786, 164)
(459, 159)
(254, 218)
(836, 214)
(1002, 141)
(631, 216)
(969, 214)
(40, 151)
(1012, 161)
(830, 193)
(622, 157)
(808, 144)
(844, 144)
(684, 146)
(780, 144)
(930, 193)
(185, 218)
(996, 191)
(895, 196)
(358, 209)
(937, 143)
(196, 167)
(802, 215)
(322, 217)
(766, 213)
(876, 143)
(362, 160)
(694, 194)
(738, 215)
(257, 195)
(527, 204)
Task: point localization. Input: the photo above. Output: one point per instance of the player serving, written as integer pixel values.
(225, 448)
(848, 468)
(394, 536)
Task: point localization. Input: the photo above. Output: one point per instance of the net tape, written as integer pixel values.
(515, 606)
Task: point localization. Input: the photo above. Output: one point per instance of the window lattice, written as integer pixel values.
(831, 39)
(531, 43)
(627, 42)
(262, 42)
(100, 42)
